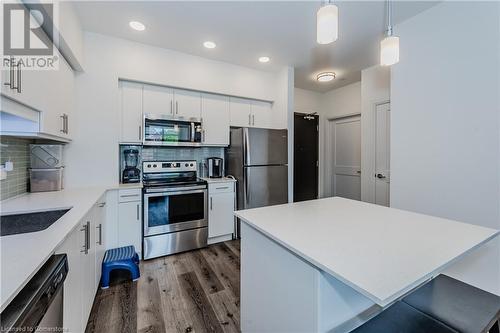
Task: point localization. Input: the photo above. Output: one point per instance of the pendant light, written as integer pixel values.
(389, 46)
(327, 24)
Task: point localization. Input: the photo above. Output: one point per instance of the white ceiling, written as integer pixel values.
(243, 31)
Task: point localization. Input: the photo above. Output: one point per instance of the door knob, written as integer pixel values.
(380, 176)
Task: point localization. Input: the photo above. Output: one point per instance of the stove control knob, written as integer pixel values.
(149, 165)
(154, 165)
(186, 165)
(191, 164)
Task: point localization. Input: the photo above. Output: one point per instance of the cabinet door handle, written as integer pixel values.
(63, 123)
(249, 119)
(67, 122)
(101, 204)
(19, 78)
(171, 106)
(140, 133)
(84, 250)
(176, 107)
(11, 75)
(211, 203)
(88, 236)
(137, 212)
(100, 234)
(253, 120)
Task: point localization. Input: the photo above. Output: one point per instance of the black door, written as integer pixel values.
(305, 158)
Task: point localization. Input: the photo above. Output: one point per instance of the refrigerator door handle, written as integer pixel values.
(245, 189)
(246, 147)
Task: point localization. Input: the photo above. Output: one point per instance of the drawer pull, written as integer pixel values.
(222, 188)
(129, 195)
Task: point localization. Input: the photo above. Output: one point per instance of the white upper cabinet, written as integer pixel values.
(215, 119)
(262, 114)
(251, 113)
(131, 115)
(51, 92)
(158, 100)
(241, 112)
(217, 112)
(187, 104)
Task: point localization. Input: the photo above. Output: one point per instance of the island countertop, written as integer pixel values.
(381, 252)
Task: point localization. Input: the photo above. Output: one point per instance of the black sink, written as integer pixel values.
(30, 222)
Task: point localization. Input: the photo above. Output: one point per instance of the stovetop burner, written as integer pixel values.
(170, 174)
(172, 183)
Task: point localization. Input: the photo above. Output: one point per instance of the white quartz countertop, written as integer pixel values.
(23, 254)
(218, 180)
(381, 252)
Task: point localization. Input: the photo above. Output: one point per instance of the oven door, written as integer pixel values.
(174, 209)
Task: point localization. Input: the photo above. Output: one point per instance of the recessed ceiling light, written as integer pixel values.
(264, 59)
(136, 25)
(325, 76)
(209, 45)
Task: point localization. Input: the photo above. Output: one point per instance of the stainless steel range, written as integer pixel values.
(175, 208)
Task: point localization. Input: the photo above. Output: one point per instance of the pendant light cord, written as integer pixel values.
(388, 32)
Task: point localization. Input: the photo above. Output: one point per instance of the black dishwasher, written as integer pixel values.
(39, 305)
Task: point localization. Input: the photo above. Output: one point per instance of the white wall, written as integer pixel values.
(307, 101)
(375, 89)
(92, 157)
(336, 103)
(445, 124)
(71, 34)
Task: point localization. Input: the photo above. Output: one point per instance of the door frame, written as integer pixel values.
(373, 161)
(368, 157)
(318, 138)
(328, 156)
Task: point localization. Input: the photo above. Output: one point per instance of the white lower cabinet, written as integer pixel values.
(220, 211)
(73, 285)
(130, 219)
(84, 263)
(100, 237)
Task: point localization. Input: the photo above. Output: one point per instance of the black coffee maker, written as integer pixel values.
(215, 167)
(131, 174)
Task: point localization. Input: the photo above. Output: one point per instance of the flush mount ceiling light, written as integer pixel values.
(327, 24)
(389, 46)
(209, 45)
(264, 59)
(325, 76)
(136, 25)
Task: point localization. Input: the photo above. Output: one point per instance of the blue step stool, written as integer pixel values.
(120, 258)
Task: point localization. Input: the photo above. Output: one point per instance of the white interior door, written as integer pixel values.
(346, 135)
(382, 154)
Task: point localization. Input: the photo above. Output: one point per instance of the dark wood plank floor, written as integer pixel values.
(197, 291)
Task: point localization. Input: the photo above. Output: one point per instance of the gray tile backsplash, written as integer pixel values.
(17, 150)
(174, 154)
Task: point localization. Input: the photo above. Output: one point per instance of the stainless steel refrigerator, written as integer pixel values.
(258, 159)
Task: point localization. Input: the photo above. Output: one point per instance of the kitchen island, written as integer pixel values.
(332, 264)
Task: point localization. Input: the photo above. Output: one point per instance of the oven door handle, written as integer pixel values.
(152, 192)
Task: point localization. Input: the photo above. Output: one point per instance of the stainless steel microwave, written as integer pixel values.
(163, 130)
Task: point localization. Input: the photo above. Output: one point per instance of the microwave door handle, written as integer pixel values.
(192, 131)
